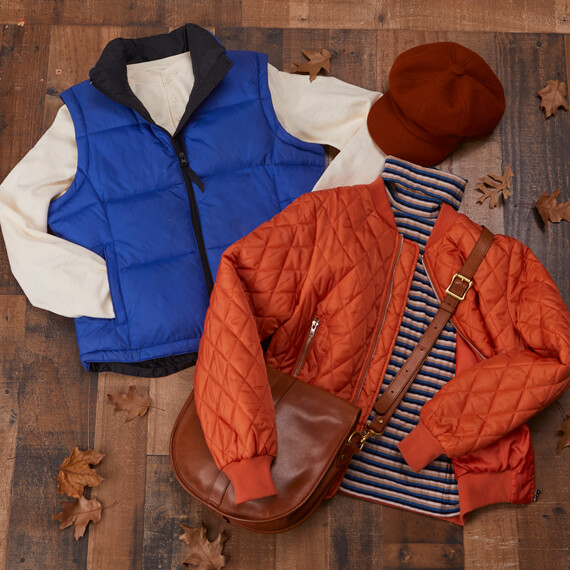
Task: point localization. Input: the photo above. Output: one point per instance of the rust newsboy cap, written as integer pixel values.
(440, 95)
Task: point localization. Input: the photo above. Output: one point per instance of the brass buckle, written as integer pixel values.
(363, 437)
(448, 291)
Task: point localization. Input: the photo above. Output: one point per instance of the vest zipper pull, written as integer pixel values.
(193, 176)
(182, 159)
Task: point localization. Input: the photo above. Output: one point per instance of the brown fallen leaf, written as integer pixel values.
(75, 474)
(553, 96)
(132, 402)
(493, 185)
(565, 438)
(81, 512)
(317, 60)
(550, 211)
(205, 555)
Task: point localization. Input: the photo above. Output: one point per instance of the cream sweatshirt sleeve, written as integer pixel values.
(55, 274)
(70, 280)
(332, 112)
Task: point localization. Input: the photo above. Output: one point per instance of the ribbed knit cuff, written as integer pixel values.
(420, 447)
(251, 478)
(481, 489)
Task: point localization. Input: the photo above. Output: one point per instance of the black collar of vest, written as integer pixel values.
(209, 62)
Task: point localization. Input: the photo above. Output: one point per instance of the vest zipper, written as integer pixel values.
(307, 344)
(380, 324)
(453, 316)
(191, 178)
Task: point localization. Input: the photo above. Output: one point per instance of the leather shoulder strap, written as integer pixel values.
(461, 282)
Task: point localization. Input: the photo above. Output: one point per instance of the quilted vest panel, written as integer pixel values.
(129, 204)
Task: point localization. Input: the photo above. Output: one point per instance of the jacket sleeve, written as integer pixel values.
(256, 290)
(495, 396)
(55, 274)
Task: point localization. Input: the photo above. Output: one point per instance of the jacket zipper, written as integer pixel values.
(453, 317)
(380, 324)
(308, 341)
(191, 178)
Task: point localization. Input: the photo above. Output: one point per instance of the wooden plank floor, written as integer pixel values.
(48, 403)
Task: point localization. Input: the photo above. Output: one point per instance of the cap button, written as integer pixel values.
(457, 69)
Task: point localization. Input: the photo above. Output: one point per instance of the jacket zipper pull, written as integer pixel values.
(306, 345)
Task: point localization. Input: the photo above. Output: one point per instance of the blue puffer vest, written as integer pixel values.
(161, 209)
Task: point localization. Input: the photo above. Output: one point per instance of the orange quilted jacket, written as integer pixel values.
(338, 256)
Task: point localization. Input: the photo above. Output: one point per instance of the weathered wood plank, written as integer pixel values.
(354, 52)
(543, 527)
(167, 505)
(23, 62)
(537, 148)
(207, 13)
(546, 16)
(422, 555)
(264, 40)
(54, 416)
(116, 542)
(491, 538)
(306, 546)
(13, 319)
(74, 51)
(80, 12)
(411, 540)
(353, 533)
(167, 398)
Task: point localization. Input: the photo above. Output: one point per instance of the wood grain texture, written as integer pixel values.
(13, 319)
(23, 62)
(167, 506)
(354, 52)
(116, 542)
(54, 415)
(486, 15)
(167, 398)
(536, 148)
(269, 41)
(409, 541)
(491, 538)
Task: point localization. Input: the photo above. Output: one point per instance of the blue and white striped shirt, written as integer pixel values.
(379, 472)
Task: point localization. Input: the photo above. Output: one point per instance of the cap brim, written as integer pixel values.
(395, 138)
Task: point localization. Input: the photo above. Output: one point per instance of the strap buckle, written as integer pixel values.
(463, 279)
(363, 437)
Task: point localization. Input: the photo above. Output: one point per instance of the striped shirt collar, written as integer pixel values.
(421, 190)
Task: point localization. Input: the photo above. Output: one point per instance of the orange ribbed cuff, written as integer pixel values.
(478, 490)
(251, 478)
(420, 447)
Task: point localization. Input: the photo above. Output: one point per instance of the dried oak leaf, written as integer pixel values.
(205, 555)
(493, 185)
(81, 512)
(317, 60)
(553, 96)
(132, 402)
(549, 210)
(75, 474)
(565, 438)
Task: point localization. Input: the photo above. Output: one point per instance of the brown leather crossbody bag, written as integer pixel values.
(315, 432)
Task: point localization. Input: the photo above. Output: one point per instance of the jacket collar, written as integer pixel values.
(209, 62)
